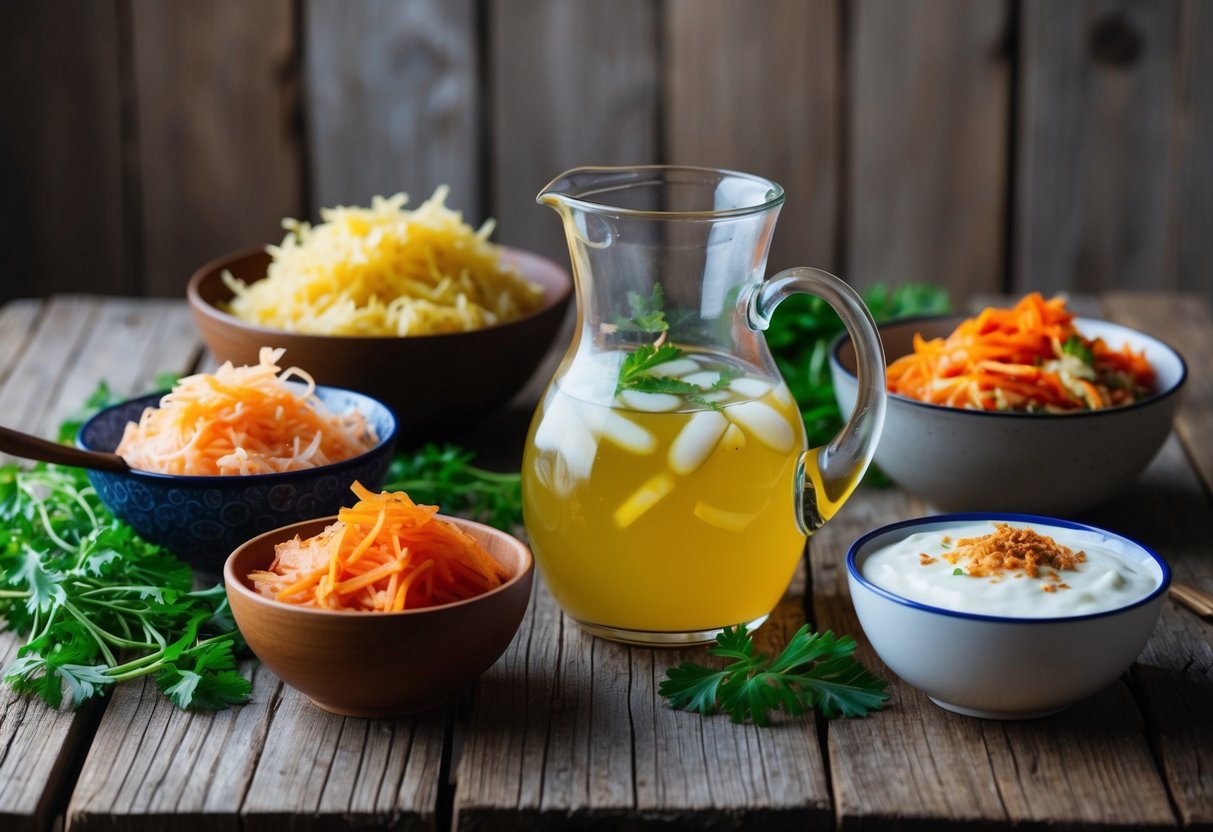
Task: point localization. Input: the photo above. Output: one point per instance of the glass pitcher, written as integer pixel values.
(667, 490)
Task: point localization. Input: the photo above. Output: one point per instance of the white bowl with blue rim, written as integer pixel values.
(997, 666)
(961, 459)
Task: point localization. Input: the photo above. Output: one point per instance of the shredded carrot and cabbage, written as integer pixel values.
(1029, 358)
(384, 554)
(241, 421)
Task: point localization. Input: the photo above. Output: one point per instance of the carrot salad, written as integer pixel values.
(243, 420)
(1029, 358)
(384, 554)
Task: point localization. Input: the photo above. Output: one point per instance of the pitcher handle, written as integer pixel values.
(829, 474)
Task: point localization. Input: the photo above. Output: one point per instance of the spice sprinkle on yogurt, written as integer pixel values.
(1004, 569)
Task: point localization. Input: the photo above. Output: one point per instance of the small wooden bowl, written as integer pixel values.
(369, 664)
(436, 384)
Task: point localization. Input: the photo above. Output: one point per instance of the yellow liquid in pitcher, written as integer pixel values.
(675, 521)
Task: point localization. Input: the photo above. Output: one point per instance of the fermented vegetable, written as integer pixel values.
(1029, 358)
(243, 420)
(384, 554)
(385, 271)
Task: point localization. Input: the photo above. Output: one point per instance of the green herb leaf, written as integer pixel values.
(211, 691)
(41, 583)
(693, 687)
(693, 393)
(83, 681)
(663, 384)
(734, 642)
(166, 380)
(642, 360)
(445, 476)
(958, 571)
(97, 604)
(647, 313)
(842, 686)
(815, 670)
(1074, 346)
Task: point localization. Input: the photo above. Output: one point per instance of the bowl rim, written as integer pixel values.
(1153, 398)
(385, 444)
(230, 579)
(960, 517)
(213, 267)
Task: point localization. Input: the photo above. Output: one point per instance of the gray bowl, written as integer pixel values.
(203, 519)
(1037, 463)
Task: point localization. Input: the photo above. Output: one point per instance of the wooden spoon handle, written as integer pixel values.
(1199, 602)
(32, 447)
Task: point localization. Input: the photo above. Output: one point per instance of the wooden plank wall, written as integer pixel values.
(990, 145)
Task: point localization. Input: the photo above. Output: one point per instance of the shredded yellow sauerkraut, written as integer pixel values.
(385, 270)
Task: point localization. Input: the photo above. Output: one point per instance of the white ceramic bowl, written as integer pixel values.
(974, 460)
(1001, 667)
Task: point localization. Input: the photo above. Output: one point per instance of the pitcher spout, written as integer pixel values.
(555, 194)
(588, 187)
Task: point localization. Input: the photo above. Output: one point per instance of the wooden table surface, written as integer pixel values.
(569, 729)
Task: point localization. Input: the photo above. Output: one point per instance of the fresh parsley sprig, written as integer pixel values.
(444, 476)
(693, 393)
(639, 363)
(636, 372)
(815, 670)
(100, 605)
(1076, 347)
(647, 313)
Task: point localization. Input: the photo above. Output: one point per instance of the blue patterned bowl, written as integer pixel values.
(203, 519)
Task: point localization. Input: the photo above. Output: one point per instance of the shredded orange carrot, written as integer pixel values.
(1028, 358)
(384, 553)
(243, 420)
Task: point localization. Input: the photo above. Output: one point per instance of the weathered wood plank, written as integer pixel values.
(17, 320)
(1096, 111)
(568, 729)
(81, 341)
(218, 137)
(74, 341)
(130, 342)
(929, 99)
(573, 84)
(772, 108)
(1192, 208)
(392, 101)
(151, 762)
(916, 766)
(1170, 511)
(34, 379)
(311, 769)
(62, 217)
(36, 749)
(278, 762)
(1185, 322)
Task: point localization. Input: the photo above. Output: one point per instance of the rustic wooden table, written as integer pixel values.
(566, 729)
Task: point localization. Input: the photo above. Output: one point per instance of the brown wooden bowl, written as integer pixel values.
(379, 664)
(437, 384)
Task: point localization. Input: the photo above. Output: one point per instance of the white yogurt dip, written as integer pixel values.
(1106, 580)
